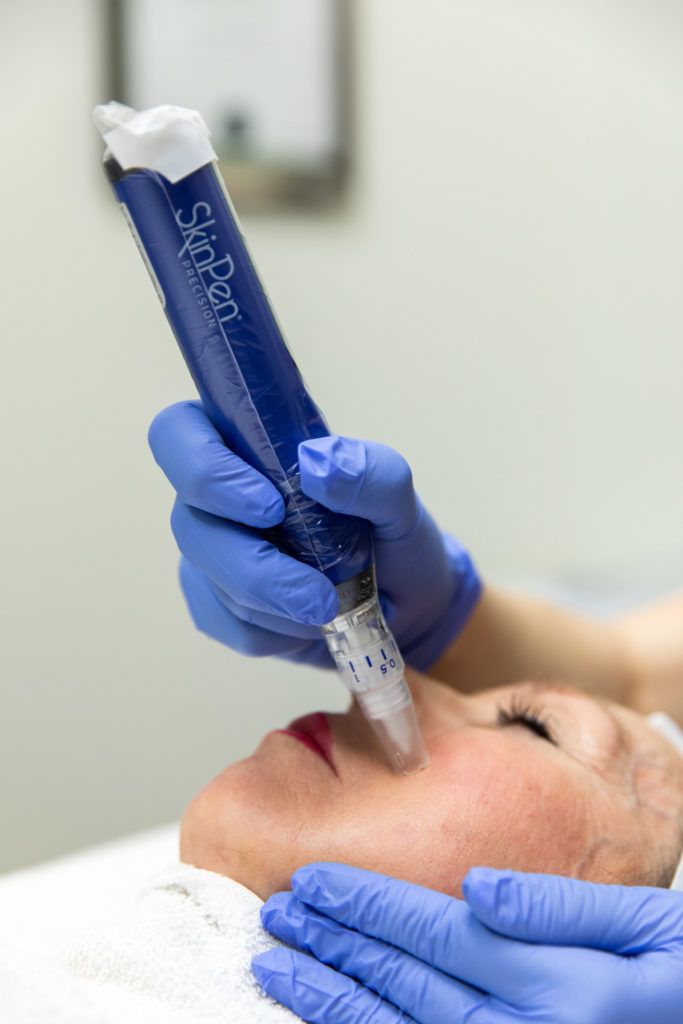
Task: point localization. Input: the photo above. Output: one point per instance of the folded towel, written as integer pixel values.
(187, 946)
(46, 905)
(178, 952)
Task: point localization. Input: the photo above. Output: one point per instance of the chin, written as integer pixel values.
(228, 829)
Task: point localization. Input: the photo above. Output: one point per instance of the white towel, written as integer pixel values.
(179, 952)
(187, 948)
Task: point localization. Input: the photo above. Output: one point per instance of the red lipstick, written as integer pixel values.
(315, 733)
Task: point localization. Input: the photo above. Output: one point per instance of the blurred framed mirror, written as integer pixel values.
(270, 77)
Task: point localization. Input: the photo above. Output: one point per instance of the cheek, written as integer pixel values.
(488, 800)
(514, 805)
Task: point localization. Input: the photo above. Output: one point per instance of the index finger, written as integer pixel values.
(206, 474)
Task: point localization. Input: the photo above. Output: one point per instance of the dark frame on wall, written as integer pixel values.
(257, 182)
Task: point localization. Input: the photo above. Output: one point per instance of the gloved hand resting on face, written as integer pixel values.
(245, 593)
(519, 948)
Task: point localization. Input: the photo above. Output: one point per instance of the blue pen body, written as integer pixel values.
(160, 164)
(247, 379)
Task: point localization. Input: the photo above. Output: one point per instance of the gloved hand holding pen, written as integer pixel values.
(245, 593)
(519, 948)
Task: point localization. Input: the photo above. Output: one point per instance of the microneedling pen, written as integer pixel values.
(162, 168)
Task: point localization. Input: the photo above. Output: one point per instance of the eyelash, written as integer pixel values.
(520, 713)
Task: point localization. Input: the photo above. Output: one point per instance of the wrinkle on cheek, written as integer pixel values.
(609, 860)
(656, 786)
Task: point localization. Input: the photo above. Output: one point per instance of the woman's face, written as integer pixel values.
(529, 777)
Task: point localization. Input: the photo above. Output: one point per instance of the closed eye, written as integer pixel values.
(520, 713)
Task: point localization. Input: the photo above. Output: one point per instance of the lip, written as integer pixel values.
(315, 733)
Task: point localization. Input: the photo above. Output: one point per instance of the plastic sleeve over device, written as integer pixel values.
(160, 164)
(247, 379)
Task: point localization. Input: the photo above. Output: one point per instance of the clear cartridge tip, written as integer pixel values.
(391, 713)
(371, 667)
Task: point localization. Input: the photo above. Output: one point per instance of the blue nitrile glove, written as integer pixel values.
(521, 948)
(244, 592)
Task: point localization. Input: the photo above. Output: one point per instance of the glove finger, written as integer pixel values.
(420, 990)
(318, 994)
(430, 926)
(372, 481)
(211, 617)
(384, 908)
(567, 912)
(361, 478)
(250, 569)
(265, 620)
(205, 473)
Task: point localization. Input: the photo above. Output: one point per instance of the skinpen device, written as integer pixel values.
(162, 169)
